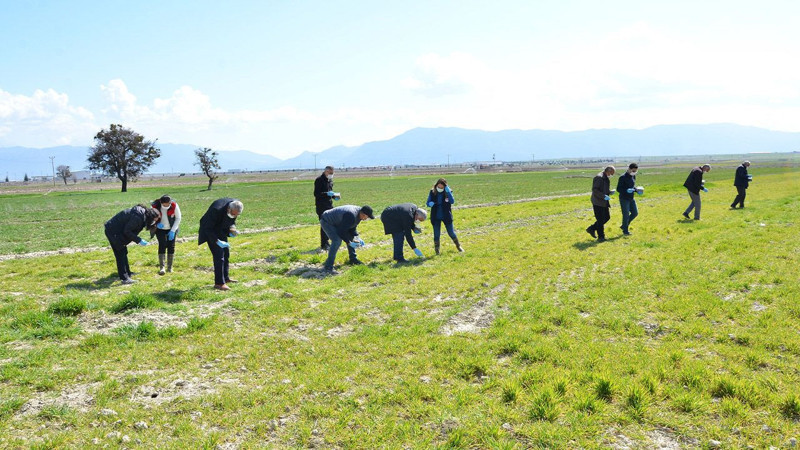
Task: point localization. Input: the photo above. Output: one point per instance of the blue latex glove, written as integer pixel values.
(417, 230)
(231, 235)
(606, 198)
(143, 242)
(447, 189)
(418, 252)
(639, 193)
(354, 244)
(705, 190)
(171, 236)
(330, 193)
(160, 226)
(631, 190)
(223, 244)
(430, 204)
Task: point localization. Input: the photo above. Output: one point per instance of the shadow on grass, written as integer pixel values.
(590, 244)
(409, 263)
(102, 283)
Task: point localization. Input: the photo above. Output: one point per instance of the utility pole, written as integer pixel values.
(53, 165)
(448, 160)
(315, 162)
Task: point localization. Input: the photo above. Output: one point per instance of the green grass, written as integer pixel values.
(656, 331)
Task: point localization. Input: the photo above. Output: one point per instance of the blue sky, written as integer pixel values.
(284, 77)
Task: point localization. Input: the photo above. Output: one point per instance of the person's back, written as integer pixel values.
(398, 217)
(215, 222)
(340, 214)
(694, 182)
(126, 224)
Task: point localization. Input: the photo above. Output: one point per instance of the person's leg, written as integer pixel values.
(437, 232)
(397, 239)
(691, 205)
(451, 231)
(633, 211)
(625, 206)
(598, 221)
(742, 194)
(119, 257)
(696, 204)
(161, 236)
(323, 237)
(226, 254)
(171, 253)
(123, 251)
(218, 256)
(336, 241)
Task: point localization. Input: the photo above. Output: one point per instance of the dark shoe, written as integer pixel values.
(696, 218)
(626, 233)
(128, 281)
(601, 239)
(401, 261)
(436, 246)
(231, 280)
(687, 216)
(330, 271)
(222, 287)
(458, 245)
(355, 262)
(590, 230)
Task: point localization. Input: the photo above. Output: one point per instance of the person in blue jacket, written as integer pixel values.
(626, 187)
(340, 224)
(124, 228)
(742, 182)
(441, 201)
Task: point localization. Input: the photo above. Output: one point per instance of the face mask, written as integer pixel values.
(633, 174)
(417, 223)
(439, 190)
(165, 206)
(231, 216)
(330, 177)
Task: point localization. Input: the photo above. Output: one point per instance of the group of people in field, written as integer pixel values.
(339, 225)
(627, 191)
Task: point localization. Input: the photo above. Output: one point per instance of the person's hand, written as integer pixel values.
(171, 236)
(417, 230)
(223, 244)
(330, 193)
(705, 189)
(447, 189)
(354, 244)
(606, 198)
(160, 226)
(360, 241)
(418, 252)
(430, 204)
(631, 190)
(143, 243)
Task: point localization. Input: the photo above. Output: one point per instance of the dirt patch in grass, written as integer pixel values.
(101, 322)
(660, 438)
(161, 392)
(307, 271)
(76, 398)
(475, 319)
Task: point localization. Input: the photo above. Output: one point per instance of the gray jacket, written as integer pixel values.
(345, 219)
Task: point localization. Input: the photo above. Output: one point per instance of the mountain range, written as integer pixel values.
(430, 146)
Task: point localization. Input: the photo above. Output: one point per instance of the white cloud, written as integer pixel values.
(45, 118)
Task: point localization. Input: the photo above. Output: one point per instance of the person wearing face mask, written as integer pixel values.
(124, 228)
(166, 230)
(626, 187)
(341, 225)
(216, 226)
(401, 221)
(441, 201)
(694, 184)
(601, 194)
(324, 196)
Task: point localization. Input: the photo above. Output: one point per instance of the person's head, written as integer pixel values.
(441, 183)
(633, 168)
(151, 215)
(421, 215)
(609, 170)
(328, 171)
(366, 213)
(165, 201)
(235, 208)
(706, 168)
(746, 163)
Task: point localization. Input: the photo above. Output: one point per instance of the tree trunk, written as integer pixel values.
(124, 184)
(65, 181)
(210, 182)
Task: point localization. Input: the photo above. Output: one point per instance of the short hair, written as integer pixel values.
(707, 166)
(609, 168)
(165, 199)
(746, 163)
(236, 205)
(422, 213)
(633, 166)
(329, 168)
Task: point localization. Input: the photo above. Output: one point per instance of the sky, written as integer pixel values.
(283, 77)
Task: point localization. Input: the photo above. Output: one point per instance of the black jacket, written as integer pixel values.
(601, 186)
(322, 185)
(741, 177)
(215, 223)
(125, 227)
(694, 182)
(398, 218)
(625, 182)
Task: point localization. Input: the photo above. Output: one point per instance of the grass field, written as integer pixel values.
(684, 334)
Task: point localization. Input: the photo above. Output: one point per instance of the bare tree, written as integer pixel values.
(123, 153)
(63, 172)
(208, 163)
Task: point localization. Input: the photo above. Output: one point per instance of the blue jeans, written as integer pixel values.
(437, 229)
(336, 241)
(629, 212)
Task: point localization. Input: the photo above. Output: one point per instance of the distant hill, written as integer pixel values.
(433, 145)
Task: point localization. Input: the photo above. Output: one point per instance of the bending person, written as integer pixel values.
(401, 221)
(216, 226)
(124, 228)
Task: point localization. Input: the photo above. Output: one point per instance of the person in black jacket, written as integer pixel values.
(341, 225)
(124, 228)
(742, 182)
(626, 187)
(324, 196)
(694, 184)
(216, 226)
(601, 194)
(401, 221)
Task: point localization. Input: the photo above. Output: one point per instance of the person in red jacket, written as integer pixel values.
(167, 226)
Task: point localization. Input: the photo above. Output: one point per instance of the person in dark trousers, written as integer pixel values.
(216, 226)
(441, 201)
(124, 228)
(167, 226)
(324, 196)
(341, 225)
(626, 188)
(401, 221)
(601, 194)
(694, 184)
(742, 182)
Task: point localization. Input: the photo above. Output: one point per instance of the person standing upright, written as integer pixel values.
(167, 227)
(626, 188)
(601, 194)
(742, 182)
(694, 184)
(216, 226)
(441, 201)
(323, 196)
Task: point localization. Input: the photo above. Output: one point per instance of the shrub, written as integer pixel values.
(67, 306)
(790, 407)
(134, 300)
(604, 390)
(544, 407)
